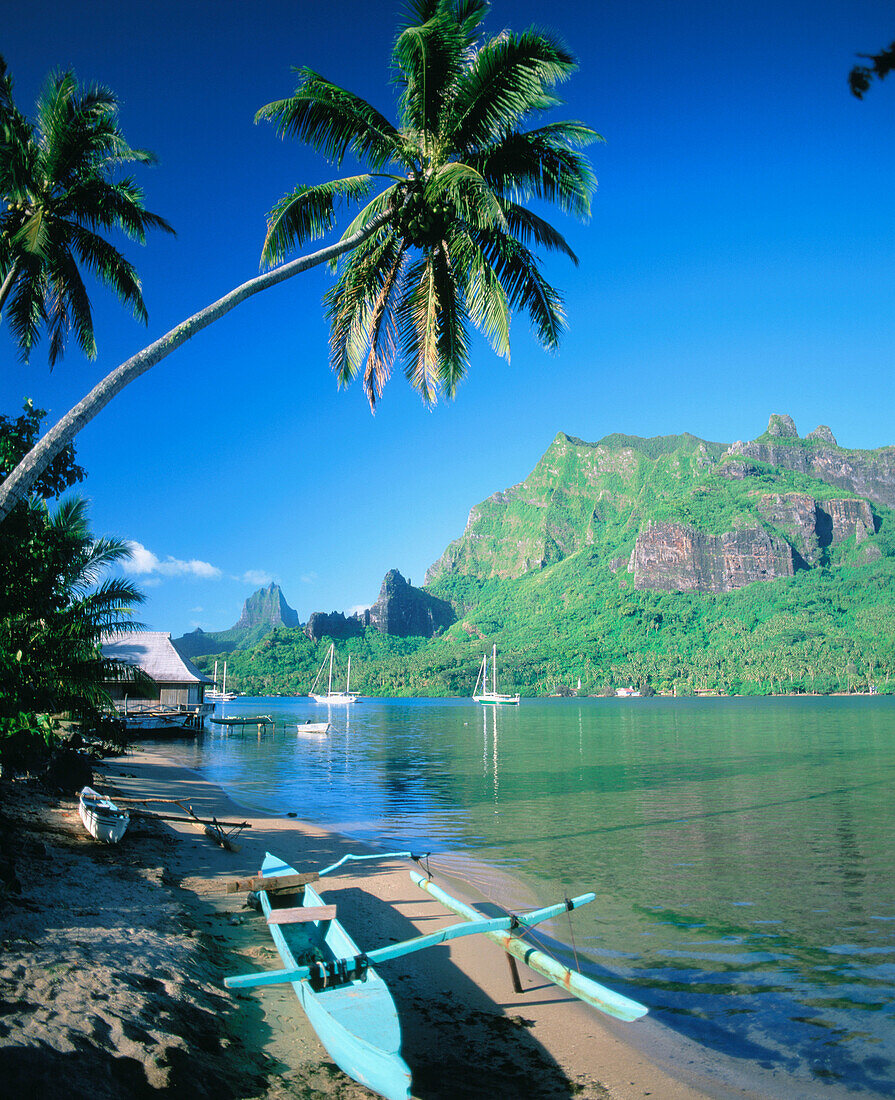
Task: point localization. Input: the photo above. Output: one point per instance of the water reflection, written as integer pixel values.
(742, 851)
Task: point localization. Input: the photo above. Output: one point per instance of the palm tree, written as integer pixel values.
(444, 245)
(455, 250)
(55, 607)
(60, 186)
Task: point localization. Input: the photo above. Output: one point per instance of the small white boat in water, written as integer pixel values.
(101, 817)
(312, 729)
(334, 697)
(492, 697)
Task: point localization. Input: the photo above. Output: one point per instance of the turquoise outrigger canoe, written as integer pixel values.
(345, 999)
(356, 1020)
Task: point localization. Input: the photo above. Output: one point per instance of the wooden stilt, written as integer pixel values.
(514, 974)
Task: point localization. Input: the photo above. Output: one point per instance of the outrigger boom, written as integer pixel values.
(580, 986)
(503, 930)
(322, 974)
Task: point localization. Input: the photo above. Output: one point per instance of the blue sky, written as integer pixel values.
(740, 261)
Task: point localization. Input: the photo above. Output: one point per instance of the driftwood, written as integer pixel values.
(193, 819)
(221, 832)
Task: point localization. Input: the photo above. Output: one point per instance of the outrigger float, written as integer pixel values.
(345, 999)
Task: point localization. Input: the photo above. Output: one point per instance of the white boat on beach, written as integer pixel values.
(101, 817)
(492, 697)
(333, 697)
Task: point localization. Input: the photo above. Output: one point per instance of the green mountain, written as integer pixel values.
(262, 612)
(673, 564)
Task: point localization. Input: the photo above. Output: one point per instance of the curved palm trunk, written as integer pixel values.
(17, 485)
(7, 287)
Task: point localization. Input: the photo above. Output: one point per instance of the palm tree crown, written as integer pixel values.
(59, 188)
(455, 248)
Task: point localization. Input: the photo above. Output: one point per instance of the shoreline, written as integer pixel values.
(457, 996)
(114, 958)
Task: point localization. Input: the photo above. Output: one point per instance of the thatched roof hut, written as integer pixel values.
(177, 679)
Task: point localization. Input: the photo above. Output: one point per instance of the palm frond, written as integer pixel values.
(306, 213)
(68, 307)
(382, 333)
(485, 300)
(543, 163)
(525, 286)
(453, 336)
(110, 267)
(509, 78)
(350, 302)
(111, 205)
(377, 205)
(526, 226)
(333, 121)
(418, 327)
(429, 59)
(470, 193)
(25, 310)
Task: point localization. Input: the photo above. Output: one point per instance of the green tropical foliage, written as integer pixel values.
(56, 601)
(542, 571)
(61, 189)
(455, 250)
(448, 245)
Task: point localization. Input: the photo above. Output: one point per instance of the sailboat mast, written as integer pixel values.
(494, 669)
(224, 688)
(215, 684)
(348, 680)
(331, 649)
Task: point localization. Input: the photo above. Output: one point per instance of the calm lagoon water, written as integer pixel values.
(742, 851)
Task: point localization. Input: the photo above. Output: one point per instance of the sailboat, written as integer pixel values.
(222, 696)
(346, 696)
(493, 696)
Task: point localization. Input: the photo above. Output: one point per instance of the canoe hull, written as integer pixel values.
(101, 817)
(356, 1022)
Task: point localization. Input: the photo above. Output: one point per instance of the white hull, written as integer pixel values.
(492, 697)
(333, 698)
(155, 723)
(316, 728)
(101, 817)
(336, 697)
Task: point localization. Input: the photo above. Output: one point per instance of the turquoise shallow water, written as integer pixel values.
(742, 851)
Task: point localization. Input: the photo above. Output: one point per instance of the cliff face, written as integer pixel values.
(405, 611)
(334, 625)
(401, 610)
(869, 474)
(685, 514)
(677, 558)
(266, 608)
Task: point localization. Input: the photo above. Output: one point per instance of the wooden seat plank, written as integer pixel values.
(273, 884)
(302, 914)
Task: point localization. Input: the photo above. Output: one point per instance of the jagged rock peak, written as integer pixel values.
(823, 435)
(405, 611)
(267, 606)
(781, 426)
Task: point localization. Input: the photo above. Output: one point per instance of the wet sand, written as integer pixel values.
(113, 960)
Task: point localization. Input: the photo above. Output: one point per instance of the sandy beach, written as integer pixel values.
(113, 961)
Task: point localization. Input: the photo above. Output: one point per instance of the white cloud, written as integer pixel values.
(143, 562)
(256, 576)
(358, 609)
(308, 578)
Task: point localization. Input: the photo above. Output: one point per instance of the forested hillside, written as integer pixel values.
(669, 564)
